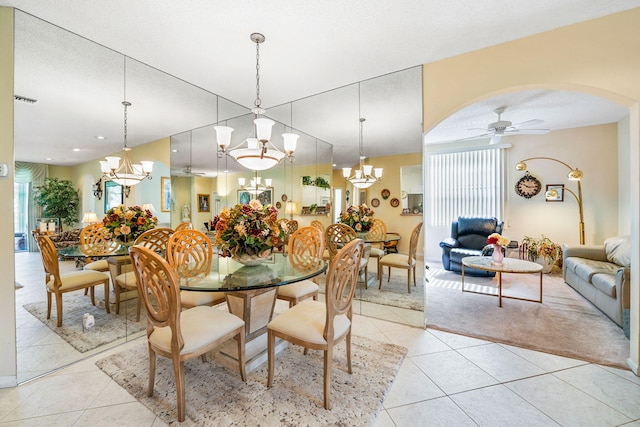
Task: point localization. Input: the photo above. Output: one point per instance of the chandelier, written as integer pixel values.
(259, 152)
(366, 175)
(125, 173)
(255, 186)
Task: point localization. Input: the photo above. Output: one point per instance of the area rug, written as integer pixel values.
(215, 396)
(565, 323)
(107, 329)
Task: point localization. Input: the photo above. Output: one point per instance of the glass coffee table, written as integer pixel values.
(509, 265)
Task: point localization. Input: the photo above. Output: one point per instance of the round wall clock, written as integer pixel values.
(375, 202)
(528, 186)
(385, 194)
(395, 202)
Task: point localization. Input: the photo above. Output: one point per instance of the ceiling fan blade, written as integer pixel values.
(470, 138)
(534, 131)
(532, 122)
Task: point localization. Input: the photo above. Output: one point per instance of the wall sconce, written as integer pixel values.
(574, 174)
(97, 189)
(126, 190)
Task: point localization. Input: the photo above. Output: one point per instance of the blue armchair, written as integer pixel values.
(468, 238)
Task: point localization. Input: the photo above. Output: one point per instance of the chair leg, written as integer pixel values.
(379, 276)
(389, 275)
(48, 305)
(348, 345)
(271, 350)
(106, 296)
(241, 355)
(116, 289)
(328, 356)
(93, 294)
(414, 276)
(409, 280)
(59, 308)
(152, 371)
(178, 372)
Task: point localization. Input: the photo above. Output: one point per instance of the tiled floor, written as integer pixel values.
(446, 379)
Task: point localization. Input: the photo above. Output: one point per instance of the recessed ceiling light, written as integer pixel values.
(76, 149)
(48, 158)
(100, 137)
(174, 151)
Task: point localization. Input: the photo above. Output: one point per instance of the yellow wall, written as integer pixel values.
(8, 365)
(598, 57)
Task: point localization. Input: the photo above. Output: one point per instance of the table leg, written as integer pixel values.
(462, 277)
(540, 287)
(499, 277)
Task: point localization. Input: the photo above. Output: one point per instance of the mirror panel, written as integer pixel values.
(411, 186)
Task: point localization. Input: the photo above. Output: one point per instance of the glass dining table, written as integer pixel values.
(250, 292)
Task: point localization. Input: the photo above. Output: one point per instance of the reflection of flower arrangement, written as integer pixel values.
(497, 239)
(542, 247)
(126, 224)
(360, 218)
(250, 229)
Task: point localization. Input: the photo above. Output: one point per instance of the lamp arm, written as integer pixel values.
(547, 158)
(578, 198)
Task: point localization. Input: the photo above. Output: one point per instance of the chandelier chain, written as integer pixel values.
(258, 101)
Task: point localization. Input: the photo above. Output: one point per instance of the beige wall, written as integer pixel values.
(597, 57)
(8, 367)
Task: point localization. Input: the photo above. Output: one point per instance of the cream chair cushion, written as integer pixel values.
(298, 289)
(194, 298)
(126, 280)
(306, 321)
(195, 325)
(77, 280)
(376, 252)
(398, 260)
(99, 265)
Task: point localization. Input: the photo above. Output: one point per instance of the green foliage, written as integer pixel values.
(59, 199)
(321, 182)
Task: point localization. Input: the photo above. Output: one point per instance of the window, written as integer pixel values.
(468, 183)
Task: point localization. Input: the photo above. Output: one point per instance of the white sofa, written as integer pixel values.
(601, 273)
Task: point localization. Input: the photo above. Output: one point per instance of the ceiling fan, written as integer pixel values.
(186, 171)
(499, 128)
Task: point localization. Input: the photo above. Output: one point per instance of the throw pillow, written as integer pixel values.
(618, 250)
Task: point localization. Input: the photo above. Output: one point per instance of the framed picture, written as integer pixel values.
(165, 189)
(266, 197)
(113, 196)
(559, 188)
(204, 204)
(362, 197)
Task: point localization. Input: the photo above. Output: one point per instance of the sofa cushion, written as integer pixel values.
(605, 283)
(618, 250)
(586, 268)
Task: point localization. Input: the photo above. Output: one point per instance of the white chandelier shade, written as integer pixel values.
(255, 186)
(366, 175)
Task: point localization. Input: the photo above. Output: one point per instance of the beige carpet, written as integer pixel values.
(215, 396)
(108, 327)
(565, 323)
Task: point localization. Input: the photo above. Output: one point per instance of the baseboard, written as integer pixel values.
(8, 381)
(634, 367)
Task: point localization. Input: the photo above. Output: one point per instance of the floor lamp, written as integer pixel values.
(574, 174)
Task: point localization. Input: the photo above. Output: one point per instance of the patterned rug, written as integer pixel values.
(107, 329)
(217, 396)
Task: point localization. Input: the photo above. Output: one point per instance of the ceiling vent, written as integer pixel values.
(25, 99)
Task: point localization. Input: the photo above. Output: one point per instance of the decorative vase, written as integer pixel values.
(497, 257)
(250, 260)
(546, 266)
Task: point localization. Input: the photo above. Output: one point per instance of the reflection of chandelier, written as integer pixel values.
(366, 175)
(259, 153)
(255, 186)
(125, 173)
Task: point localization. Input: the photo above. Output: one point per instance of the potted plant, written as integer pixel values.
(543, 251)
(59, 199)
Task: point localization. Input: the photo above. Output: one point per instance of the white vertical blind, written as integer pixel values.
(468, 183)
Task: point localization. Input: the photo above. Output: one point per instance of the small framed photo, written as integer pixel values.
(266, 197)
(204, 203)
(554, 193)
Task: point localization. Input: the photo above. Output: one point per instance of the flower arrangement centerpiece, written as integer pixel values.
(360, 218)
(248, 232)
(542, 248)
(127, 223)
(498, 241)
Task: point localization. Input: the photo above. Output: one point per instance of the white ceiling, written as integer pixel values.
(310, 48)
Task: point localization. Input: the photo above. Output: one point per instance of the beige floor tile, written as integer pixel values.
(418, 341)
(383, 420)
(500, 363)
(411, 386)
(112, 394)
(499, 406)
(564, 403)
(452, 372)
(56, 420)
(132, 414)
(617, 392)
(456, 341)
(547, 362)
(436, 412)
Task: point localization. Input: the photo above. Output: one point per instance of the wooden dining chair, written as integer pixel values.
(96, 241)
(377, 233)
(193, 247)
(320, 325)
(304, 242)
(155, 239)
(320, 226)
(179, 334)
(407, 262)
(58, 283)
(336, 236)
